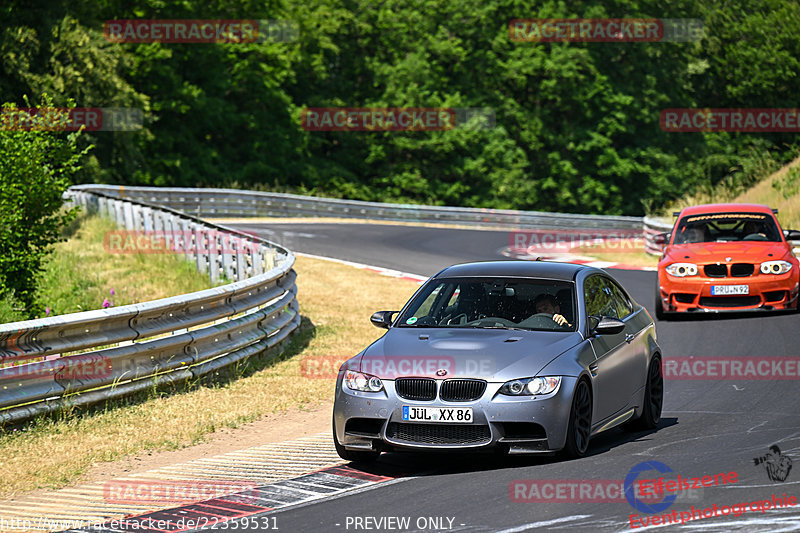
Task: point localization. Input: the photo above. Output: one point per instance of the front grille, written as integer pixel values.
(462, 390)
(741, 270)
(729, 301)
(716, 271)
(416, 388)
(443, 434)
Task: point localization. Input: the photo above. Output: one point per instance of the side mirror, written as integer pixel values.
(792, 235)
(382, 319)
(605, 325)
(661, 238)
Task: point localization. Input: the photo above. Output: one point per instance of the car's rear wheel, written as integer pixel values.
(653, 399)
(351, 455)
(580, 422)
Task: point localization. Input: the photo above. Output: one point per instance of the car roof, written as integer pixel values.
(725, 208)
(515, 269)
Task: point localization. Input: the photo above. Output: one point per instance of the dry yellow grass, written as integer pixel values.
(336, 299)
(765, 193)
(632, 258)
(762, 192)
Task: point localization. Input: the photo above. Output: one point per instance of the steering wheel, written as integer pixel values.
(539, 320)
(458, 319)
(492, 321)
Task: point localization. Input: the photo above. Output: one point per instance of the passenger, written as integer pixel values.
(544, 303)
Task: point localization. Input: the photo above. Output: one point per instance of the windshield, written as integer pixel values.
(727, 227)
(493, 303)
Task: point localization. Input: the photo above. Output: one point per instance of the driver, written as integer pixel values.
(544, 303)
(753, 228)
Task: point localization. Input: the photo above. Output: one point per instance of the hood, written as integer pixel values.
(493, 355)
(739, 252)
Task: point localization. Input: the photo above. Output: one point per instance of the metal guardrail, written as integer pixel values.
(226, 203)
(654, 230)
(82, 358)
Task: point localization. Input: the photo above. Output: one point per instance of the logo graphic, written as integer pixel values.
(630, 495)
(775, 463)
(441, 372)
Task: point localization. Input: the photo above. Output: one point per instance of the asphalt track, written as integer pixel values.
(708, 426)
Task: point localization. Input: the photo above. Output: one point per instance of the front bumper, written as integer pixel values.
(515, 425)
(767, 292)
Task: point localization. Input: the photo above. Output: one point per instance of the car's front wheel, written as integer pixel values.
(354, 456)
(580, 422)
(659, 306)
(653, 399)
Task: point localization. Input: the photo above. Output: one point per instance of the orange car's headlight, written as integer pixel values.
(682, 269)
(775, 267)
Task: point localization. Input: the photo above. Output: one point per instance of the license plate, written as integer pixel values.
(721, 290)
(437, 414)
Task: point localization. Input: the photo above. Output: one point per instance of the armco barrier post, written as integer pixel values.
(213, 255)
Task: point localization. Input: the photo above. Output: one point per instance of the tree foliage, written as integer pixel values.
(36, 167)
(577, 124)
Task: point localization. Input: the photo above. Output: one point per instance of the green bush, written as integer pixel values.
(37, 163)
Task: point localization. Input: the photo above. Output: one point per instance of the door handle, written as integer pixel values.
(628, 338)
(593, 369)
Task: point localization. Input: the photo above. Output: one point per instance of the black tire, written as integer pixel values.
(659, 306)
(579, 428)
(354, 456)
(653, 399)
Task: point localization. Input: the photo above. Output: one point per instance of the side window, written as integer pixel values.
(599, 297)
(624, 306)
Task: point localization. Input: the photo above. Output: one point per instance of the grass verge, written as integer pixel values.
(335, 301)
(80, 273)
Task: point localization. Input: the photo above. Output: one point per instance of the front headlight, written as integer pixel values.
(362, 382)
(682, 269)
(531, 386)
(775, 267)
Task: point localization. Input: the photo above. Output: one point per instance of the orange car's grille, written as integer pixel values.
(738, 270)
(716, 271)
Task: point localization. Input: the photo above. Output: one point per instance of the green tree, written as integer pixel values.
(37, 164)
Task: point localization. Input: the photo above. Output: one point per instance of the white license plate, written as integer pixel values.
(721, 290)
(454, 415)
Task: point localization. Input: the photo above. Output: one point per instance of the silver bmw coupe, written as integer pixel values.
(521, 357)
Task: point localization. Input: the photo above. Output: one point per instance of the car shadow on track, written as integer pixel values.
(727, 315)
(403, 464)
